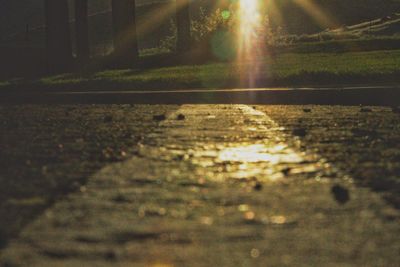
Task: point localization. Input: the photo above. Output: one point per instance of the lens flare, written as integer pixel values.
(250, 39)
(250, 20)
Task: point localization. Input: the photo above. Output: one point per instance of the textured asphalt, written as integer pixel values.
(231, 185)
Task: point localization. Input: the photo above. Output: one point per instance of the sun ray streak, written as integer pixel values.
(275, 13)
(250, 40)
(250, 20)
(321, 17)
(157, 18)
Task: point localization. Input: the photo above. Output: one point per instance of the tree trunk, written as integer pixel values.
(82, 31)
(124, 26)
(58, 38)
(183, 25)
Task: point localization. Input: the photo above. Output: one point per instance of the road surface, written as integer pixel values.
(207, 185)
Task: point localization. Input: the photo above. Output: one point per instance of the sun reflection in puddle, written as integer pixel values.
(240, 161)
(259, 153)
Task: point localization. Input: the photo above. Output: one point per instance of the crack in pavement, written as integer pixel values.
(213, 185)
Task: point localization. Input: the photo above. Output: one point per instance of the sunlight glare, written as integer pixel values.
(250, 38)
(259, 153)
(250, 23)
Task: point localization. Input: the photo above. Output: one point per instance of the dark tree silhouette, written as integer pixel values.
(82, 31)
(58, 37)
(183, 25)
(124, 26)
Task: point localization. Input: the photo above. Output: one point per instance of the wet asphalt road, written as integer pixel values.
(202, 185)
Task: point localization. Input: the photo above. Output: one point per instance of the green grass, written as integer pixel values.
(4, 83)
(284, 70)
(347, 45)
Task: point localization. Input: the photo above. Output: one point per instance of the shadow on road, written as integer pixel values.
(49, 151)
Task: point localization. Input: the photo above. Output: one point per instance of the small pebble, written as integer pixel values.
(365, 110)
(110, 255)
(161, 117)
(108, 118)
(120, 198)
(340, 194)
(300, 132)
(180, 117)
(180, 157)
(286, 171)
(258, 186)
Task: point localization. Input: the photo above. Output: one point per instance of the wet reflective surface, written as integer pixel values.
(244, 148)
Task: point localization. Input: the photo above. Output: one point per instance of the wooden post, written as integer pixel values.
(58, 38)
(124, 27)
(82, 31)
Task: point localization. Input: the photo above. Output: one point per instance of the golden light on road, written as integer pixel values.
(258, 153)
(257, 159)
